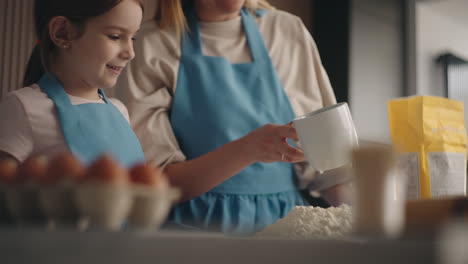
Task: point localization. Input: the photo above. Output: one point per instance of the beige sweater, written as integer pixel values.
(150, 81)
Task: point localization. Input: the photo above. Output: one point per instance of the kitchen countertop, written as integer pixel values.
(37, 246)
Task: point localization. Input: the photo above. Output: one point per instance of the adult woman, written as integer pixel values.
(211, 103)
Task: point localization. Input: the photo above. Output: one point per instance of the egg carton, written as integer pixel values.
(89, 205)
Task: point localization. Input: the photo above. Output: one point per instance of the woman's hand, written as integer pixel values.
(268, 144)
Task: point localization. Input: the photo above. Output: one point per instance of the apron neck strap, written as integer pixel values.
(54, 89)
(191, 40)
(255, 40)
(101, 92)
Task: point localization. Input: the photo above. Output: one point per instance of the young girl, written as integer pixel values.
(82, 47)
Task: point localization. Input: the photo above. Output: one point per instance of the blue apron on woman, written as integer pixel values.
(93, 129)
(217, 102)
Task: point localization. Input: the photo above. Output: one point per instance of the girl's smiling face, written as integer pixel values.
(97, 57)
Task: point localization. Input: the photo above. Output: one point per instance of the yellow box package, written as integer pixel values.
(430, 133)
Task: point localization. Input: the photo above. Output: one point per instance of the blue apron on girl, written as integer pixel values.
(217, 102)
(93, 129)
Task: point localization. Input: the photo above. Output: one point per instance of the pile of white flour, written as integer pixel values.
(308, 222)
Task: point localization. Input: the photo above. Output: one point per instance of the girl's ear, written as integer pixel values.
(61, 31)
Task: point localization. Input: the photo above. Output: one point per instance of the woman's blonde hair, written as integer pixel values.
(169, 13)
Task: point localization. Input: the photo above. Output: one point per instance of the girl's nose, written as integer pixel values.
(128, 52)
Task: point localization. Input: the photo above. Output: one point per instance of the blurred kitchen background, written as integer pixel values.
(373, 50)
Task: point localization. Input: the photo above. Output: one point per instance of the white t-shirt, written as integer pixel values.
(149, 83)
(30, 126)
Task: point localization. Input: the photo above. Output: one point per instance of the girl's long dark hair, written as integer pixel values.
(77, 12)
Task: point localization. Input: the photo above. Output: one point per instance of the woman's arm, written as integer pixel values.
(266, 144)
(194, 177)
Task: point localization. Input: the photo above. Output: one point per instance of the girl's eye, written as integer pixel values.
(114, 37)
(134, 38)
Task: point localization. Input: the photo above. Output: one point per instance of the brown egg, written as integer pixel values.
(65, 165)
(32, 169)
(105, 169)
(7, 170)
(148, 175)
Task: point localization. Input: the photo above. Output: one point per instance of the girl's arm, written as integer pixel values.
(16, 139)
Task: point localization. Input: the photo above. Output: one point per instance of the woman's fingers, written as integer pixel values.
(287, 153)
(287, 131)
(291, 154)
(269, 144)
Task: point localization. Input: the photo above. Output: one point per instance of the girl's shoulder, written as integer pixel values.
(29, 95)
(34, 103)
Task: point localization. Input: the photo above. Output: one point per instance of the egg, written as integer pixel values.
(32, 169)
(153, 198)
(107, 170)
(7, 170)
(22, 198)
(148, 175)
(63, 166)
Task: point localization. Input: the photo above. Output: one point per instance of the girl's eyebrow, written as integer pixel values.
(117, 27)
(122, 29)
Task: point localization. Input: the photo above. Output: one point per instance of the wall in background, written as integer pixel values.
(439, 29)
(376, 64)
(16, 42)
